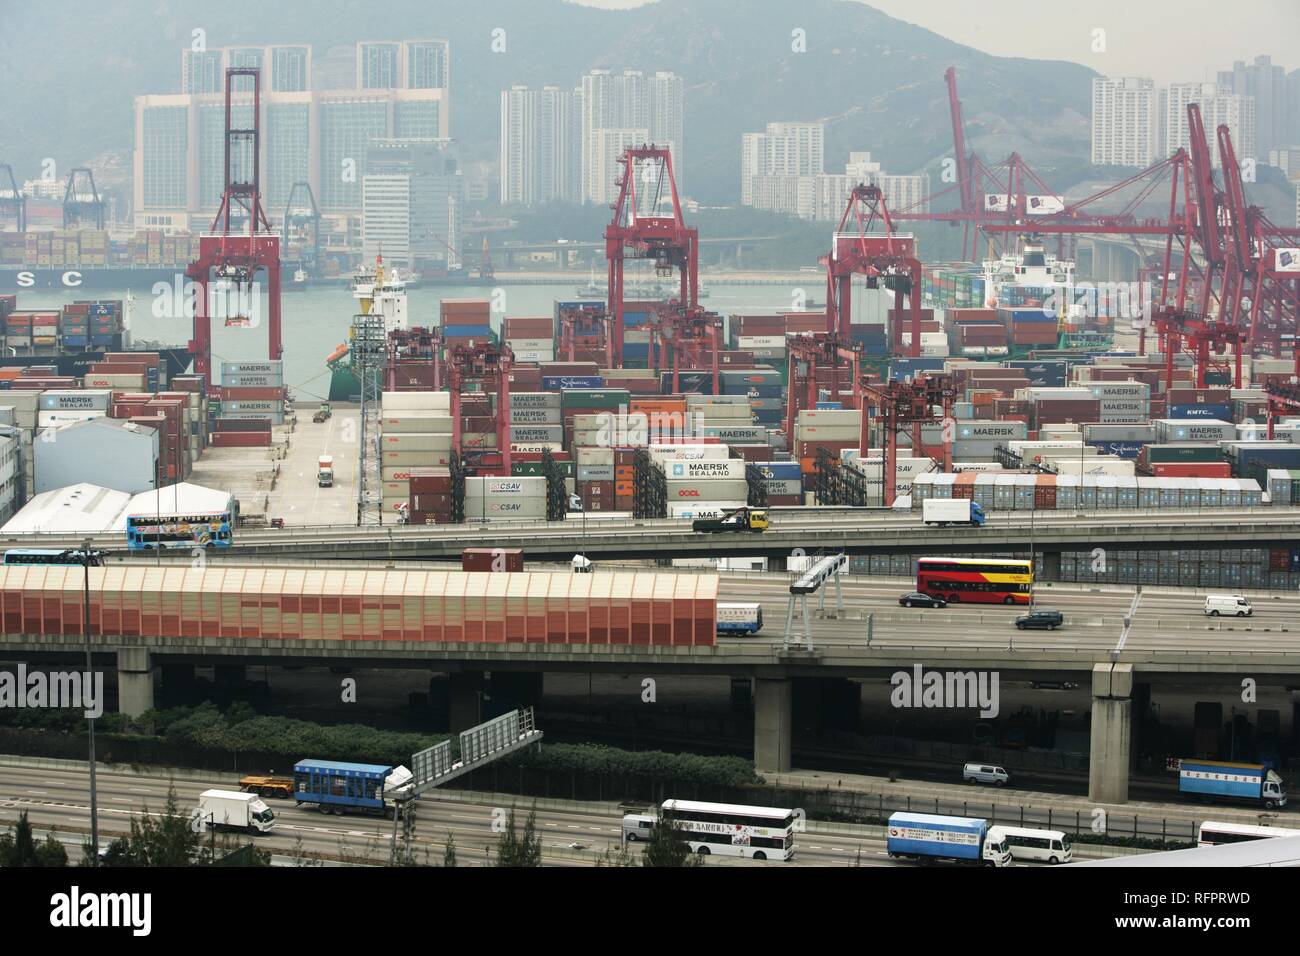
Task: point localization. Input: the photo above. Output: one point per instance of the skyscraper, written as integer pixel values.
(412, 185)
(541, 142)
(625, 102)
(784, 149)
(1267, 84)
(1218, 108)
(1125, 121)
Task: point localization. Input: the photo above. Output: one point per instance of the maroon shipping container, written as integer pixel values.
(243, 424)
(1060, 410)
(273, 394)
(1193, 396)
(149, 358)
(492, 559)
(570, 369)
(241, 439)
(27, 384)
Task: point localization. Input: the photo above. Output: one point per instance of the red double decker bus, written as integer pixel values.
(975, 580)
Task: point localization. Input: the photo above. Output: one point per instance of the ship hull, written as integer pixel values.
(73, 279)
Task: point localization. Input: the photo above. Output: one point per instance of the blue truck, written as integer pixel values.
(1240, 782)
(336, 786)
(926, 837)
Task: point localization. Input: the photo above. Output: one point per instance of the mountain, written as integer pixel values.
(875, 80)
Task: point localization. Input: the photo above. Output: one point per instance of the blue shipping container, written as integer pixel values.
(779, 470)
(1219, 779)
(475, 331)
(1202, 410)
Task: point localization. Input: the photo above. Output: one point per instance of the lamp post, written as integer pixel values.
(87, 558)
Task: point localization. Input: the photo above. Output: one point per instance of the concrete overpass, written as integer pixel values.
(855, 532)
(1167, 640)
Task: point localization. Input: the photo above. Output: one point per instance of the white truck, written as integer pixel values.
(235, 810)
(325, 471)
(946, 511)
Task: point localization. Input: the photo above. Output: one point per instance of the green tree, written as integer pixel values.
(449, 855)
(168, 839)
(530, 846)
(508, 844)
(620, 858)
(19, 847)
(667, 845)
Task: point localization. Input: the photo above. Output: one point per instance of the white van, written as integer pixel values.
(637, 826)
(1234, 604)
(1045, 846)
(984, 773)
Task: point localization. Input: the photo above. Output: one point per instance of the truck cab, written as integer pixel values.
(325, 471)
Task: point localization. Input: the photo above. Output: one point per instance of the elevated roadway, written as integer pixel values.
(853, 531)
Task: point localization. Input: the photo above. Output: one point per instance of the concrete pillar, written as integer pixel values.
(134, 681)
(465, 692)
(1112, 716)
(772, 724)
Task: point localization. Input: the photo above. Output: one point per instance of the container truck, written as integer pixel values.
(281, 787)
(325, 471)
(235, 810)
(336, 786)
(946, 511)
(1244, 782)
(927, 837)
(742, 519)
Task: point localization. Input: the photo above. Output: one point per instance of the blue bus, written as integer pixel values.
(211, 530)
(51, 556)
(336, 786)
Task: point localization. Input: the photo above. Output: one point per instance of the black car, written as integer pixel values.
(1042, 617)
(917, 599)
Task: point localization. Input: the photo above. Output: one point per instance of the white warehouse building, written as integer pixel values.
(118, 454)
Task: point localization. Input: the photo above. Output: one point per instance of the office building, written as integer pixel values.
(1267, 85)
(412, 197)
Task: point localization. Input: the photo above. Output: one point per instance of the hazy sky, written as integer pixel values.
(1167, 40)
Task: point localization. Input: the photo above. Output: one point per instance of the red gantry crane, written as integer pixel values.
(883, 257)
(488, 365)
(641, 230)
(688, 339)
(905, 407)
(228, 258)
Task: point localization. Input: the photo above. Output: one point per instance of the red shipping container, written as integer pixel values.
(492, 559)
(273, 394)
(240, 440)
(1192, 469)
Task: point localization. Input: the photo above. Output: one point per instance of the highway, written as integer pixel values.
(856, 531)
(58, 799)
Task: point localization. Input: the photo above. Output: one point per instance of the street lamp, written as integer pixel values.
(89, 557)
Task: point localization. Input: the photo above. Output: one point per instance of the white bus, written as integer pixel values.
(1216, 834)
(761, 833)
(1050, 846)
(740, 618)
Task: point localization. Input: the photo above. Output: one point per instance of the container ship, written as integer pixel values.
(72, 338)
(380, 292)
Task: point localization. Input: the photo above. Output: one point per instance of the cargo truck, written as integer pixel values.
(741, 519)
(234, 810)
(927, 837)
(338, 787)
(946, 511)
(1242, 782)
(325, 471)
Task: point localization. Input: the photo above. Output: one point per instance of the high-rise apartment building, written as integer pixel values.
(412, 188)
(822, 196)
(621, 102)
(1218, 108)
(541, 139)
(1125, 121)
(784, 149)
(1267, 85)
(316, 136)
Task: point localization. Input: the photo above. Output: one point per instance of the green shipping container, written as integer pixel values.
(610, 398)
(1183, 452)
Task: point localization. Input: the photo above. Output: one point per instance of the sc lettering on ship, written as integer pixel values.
(26, 279)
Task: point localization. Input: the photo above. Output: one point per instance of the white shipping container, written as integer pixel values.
(517, 487)
(747, 342)
(535, 400)
(435, 423)
(78, 399)
(52, 418)
(711, 510)
(534, 355)
(1091, 465)
(123, 382)
(516, 345)
(723, 414)
(830, 416)
(415, 401)
(589, 455)
(415, 459)
(663, 453)
(707, 490)
(731, 469)
(414, 441)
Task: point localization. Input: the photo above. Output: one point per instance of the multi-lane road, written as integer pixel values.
(57, 800)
